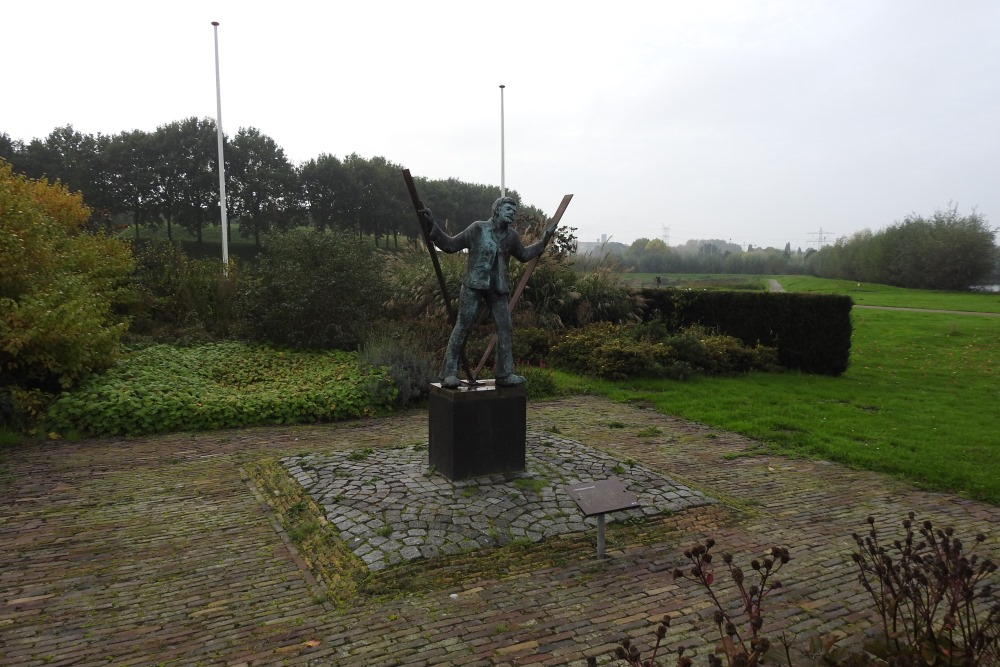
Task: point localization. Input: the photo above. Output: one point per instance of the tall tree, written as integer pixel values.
(73, 159)
(187, 183)
(324, 181)
(130, 164)
(9, 149)
(264, 192)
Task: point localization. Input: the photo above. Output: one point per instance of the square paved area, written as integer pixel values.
(155, 551)
(390, 507)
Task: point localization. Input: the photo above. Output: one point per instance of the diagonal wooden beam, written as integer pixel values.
(418, 205)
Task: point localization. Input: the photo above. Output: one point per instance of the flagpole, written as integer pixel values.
(222, 163)
(503, 187)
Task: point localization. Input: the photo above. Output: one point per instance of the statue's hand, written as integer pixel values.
(426, 218)
(549, 233)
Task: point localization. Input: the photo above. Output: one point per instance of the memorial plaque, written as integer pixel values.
(602, 496)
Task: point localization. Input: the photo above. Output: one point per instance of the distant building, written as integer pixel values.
(584, 247)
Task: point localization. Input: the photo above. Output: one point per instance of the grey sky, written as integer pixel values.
(759, 122)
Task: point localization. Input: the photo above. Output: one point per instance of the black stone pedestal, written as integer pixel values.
(478, 430)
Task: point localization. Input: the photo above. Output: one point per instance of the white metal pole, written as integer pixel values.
(503, 186)
(222, 162)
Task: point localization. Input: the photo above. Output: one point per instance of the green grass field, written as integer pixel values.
(871, 294)
(919, 400)
(864, 294)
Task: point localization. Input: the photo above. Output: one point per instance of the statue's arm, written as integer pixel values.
(528, 253)
(439, 237)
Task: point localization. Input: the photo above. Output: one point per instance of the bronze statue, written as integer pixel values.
(491, 243)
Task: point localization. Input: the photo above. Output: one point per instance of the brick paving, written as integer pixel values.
(155, 551)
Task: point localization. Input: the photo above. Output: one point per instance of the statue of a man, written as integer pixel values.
(490, 243)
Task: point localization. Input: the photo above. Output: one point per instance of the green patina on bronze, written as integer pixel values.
(490, 244)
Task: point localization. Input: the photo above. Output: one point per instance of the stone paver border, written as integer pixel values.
(390, 508)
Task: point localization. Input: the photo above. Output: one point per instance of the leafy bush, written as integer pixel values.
(58, 287)
(221, 385)
(413, 289)
(313, 290)
(602, 298)
(560, 297)
(532, 344)
(540, 383)
(21, 408)
(411, 368)
(178, 298)
(617, 352)
(946, 251)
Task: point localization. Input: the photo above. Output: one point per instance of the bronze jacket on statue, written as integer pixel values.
(487, 251)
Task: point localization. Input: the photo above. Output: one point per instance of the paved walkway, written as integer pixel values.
(155, 551)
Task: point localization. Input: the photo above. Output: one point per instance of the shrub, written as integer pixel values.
(413, 289)
(411, 368)
(58, 287)
(617, 352)
(313, 290)
(602, 298)
(560, 297)
(540, 383)
(178, 298)
(220, 385)
(533, 344)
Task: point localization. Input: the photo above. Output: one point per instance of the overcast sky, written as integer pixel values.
(756, 122)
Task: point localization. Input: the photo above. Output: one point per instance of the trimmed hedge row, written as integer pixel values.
(812, 332)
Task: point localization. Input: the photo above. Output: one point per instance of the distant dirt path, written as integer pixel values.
(931, 310)
(774, 286)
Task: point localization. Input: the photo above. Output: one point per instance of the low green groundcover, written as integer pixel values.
(221, 385)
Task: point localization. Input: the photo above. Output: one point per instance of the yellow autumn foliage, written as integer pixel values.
(58, 287)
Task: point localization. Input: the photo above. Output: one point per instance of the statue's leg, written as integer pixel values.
(505, 339)
(468, 306)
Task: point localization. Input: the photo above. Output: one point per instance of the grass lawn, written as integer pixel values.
(919, 400)
(871, 294)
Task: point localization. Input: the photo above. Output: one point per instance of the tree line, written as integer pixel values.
(947, 251)
(168, 179)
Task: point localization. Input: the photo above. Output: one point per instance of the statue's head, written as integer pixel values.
(499, 203)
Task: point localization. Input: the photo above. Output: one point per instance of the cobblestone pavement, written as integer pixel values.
(390, 508)
(155, 551)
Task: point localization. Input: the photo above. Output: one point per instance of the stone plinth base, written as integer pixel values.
(476, 431)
